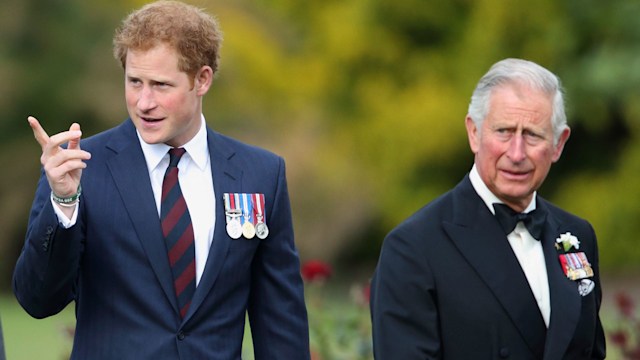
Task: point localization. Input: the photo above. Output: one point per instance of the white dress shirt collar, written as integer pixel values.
(487, 196)
(197, 149)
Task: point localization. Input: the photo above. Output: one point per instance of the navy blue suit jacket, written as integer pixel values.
(113, 262)
(448, 286)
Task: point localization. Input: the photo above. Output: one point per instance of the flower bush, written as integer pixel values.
(625, 336)
(314, 271)
(339, 324)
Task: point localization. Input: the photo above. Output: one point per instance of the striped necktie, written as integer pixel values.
(178, 233)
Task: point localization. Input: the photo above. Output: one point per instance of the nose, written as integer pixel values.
(516, 151)
(146, 100)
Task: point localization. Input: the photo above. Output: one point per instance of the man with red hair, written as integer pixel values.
(166, 234)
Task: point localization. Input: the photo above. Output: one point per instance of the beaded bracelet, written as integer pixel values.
(69, 200)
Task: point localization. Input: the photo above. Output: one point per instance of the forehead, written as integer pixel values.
(161, 58)
(517, 102)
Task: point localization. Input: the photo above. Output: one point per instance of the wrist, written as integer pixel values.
(67, 200)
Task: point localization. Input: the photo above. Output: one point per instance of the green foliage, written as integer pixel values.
(612, 207)
(365, 99)
(339, 326)
(26, 338)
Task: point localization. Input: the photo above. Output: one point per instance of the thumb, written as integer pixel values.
(75, 142)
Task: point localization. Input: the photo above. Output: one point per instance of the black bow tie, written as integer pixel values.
(508, 219)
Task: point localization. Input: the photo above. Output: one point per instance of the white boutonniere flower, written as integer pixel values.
(567, 241)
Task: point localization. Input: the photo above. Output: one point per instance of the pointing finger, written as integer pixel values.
(38, 132)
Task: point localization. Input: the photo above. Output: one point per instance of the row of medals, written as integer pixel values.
(235, 229)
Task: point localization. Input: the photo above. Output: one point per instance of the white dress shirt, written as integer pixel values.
(528, 250)
(196, 183)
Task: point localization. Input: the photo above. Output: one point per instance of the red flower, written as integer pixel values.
(625, 304)
(315, 270)
(619, 338)
(367, 293)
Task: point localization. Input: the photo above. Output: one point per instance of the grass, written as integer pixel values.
(26, 338)
(336, 326)
(335, 322)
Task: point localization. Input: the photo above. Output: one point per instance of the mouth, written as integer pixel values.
(515, 175)
(150, 119)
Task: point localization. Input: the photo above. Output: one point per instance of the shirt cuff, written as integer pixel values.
(64, 221)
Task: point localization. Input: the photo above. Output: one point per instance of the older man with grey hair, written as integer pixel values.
(491, 270)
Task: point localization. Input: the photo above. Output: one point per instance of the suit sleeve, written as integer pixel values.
(46, 272)
(403, 302)
(277, 311)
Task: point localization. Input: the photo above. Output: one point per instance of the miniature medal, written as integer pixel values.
(262, 231)
(234, 228)
(576, 266)
(248, 230)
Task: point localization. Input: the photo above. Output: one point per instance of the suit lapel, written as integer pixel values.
(226, 178)
(477, 235)
(565, 300)
(129, 171)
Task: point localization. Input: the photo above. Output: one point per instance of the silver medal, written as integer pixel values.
(262, 231)
(234, 229)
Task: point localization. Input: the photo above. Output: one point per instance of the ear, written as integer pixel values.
(473, 133)
(557, 151)
(203, 80)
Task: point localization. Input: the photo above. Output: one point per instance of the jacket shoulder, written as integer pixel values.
(561, 215)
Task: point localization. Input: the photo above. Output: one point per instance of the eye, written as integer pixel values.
(503, 133)
(161, 85)
(134, 81)
(532, 137)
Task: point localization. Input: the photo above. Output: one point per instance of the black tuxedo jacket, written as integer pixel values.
(448, 286)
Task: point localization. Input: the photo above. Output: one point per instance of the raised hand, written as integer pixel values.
(63, 167)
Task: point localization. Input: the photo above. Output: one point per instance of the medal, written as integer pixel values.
(585, 286)
(234, 227)
(576, 266)
(248, 230)
(262, 231)
(245, 215)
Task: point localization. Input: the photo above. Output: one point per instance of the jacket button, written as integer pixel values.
(181, 336)
(504, 353)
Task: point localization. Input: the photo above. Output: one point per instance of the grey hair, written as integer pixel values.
(518, 71)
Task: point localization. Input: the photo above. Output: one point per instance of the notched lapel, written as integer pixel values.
(129, 171)
(227, 177)
(479, 238)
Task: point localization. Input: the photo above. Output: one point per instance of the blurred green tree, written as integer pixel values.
(365, 99)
